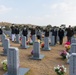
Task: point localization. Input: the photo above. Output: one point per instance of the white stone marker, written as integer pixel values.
(72, 64)
(13, 63)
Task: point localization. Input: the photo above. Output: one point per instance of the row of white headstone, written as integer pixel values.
(13, 55)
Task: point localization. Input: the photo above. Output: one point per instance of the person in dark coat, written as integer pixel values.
(70, 33)
(1, 31)
(46, 33)
(39, 34)
(32, 31)
(13, 32)
(17, 30)
(61, 35)
(55, 34)
(24, 31)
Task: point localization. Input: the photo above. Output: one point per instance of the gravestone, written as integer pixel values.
(36, 51)
(72, 64)
(33, 38)
(6, 46)
(3, 38)
(50, 34)
(73, 48)
(52, 40)
(73, 40)
(24, 44)
(13, 63)
(17, 38)
(46, 44)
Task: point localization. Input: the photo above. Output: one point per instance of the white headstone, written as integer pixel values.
(24, 44)
(46, 44)
(36, 51)
(73, 40)
(73, 48)
(3, 38)
(13, 63)
(52, 40)
(33, 38)
(72, 64)
(6, 46)
(17, 38)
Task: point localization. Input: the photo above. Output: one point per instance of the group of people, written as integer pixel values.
(15, 30)
(69, 33)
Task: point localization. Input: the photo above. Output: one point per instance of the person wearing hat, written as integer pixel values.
(61, 35)
(13, 32)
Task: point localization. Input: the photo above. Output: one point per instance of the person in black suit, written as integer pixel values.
(1, 32)
(61, 35)
(46, 33)
(24, 31)
(70, 33)
(17, 30)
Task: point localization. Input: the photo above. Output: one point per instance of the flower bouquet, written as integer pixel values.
(20, 38)
(4, 63)
(67, 43)
(42, 45)
(28, 42)
(63, 54)
(31, 42)
(67, 46)
(60, 70)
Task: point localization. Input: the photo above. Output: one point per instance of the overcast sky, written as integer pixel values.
(38, 12)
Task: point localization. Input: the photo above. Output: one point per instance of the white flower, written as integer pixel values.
(64, 69)
(63, 66)
(54, 68)
(4, 61)
(68, 55)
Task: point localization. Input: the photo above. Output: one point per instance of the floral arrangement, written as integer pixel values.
(42, 45)
(63, 54)
(28, 42)
(67, 46)
(67, 43)
(20, 38)
(60, 70)
(4, 63)
(31, 42)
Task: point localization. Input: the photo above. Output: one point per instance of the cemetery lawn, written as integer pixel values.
(39, 67)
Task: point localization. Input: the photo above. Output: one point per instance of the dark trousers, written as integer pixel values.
(60, 40)
(55, 39)
(68, 39)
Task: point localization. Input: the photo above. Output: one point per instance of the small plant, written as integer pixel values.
(4, 63)
(60, 70)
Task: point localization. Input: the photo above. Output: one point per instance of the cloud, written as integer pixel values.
(4, 9)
